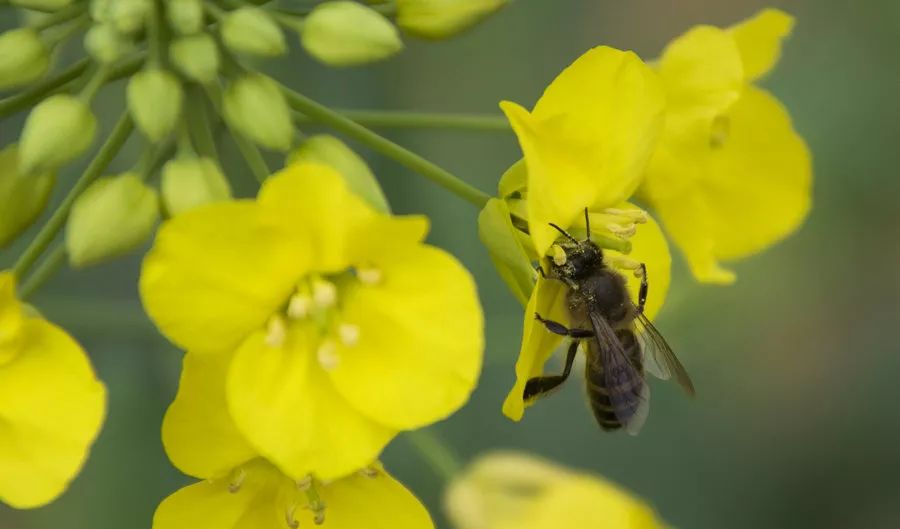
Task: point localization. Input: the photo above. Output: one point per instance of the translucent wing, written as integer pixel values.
(624, 381)
(659, 359)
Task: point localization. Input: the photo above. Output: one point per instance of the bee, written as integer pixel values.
(618, 340)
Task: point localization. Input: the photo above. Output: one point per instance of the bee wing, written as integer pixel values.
(659, 359)
(625, 386)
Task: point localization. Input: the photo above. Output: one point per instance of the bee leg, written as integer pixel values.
(642, 293)
(540, 270)
(558, 328)
(538, 386)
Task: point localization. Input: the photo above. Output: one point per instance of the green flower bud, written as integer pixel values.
(185, 16)
(505, 246)
(41, 5)
(344, 33)
(101, 10)
(331, 151)
(128, 16)
(196, 57)
(23, 57)
(255, 107)
(112, 217)
(191, 182)
(154, 100)
(252, 31)
(438, 19)
(58, 130)
(22, 197)
(104, 44)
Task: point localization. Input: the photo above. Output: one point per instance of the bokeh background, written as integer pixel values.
(795, 422)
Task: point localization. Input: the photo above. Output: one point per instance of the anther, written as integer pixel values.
(238, 480)
(624, 263)
(637, 216)
(369, 275)
(327, 356)
(318, 509)
(623, 231)
(324, 293)
(304, 484)
(299, 306)
(719, 131)
(348, 333)
(289, 517)
(558, 255)
(369, 472)
(276, 331)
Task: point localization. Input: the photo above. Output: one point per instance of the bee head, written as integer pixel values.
(571, 259)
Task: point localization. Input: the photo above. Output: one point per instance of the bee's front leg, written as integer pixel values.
(558, 328)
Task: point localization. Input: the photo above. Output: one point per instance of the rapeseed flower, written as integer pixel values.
(730, 176)
(51, 404)
(344, 327)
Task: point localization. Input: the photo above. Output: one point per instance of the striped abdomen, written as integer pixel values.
(615, 385)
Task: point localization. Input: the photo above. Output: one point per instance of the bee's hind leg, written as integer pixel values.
(642, 293)
(539, 386)
(558, 328)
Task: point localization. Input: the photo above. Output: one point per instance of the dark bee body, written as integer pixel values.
(616, 337)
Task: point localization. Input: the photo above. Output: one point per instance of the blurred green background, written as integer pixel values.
(796, 365)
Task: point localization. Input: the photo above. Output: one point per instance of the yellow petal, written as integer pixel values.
(576, 502)
(759, 40)
(702, 74)
(507, 252)
(217, 273)
(284, 403)
(51, 410)
(514, 179)
(420, 342)
(549, 300)
(11, 318)
(378, 502)
(589, 138)
(198, 433)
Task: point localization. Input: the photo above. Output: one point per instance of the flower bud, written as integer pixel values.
(23, 57)
(185, 16)
(105, 44)
(438, 19)
(331, 151)
(112, 217)
(196, 57)
(154, 100)
(255, 107)
(58, 130)
(344, 33)
(191, 182)
(128, 16)
(22, 197)
(41, 5)
(252, 31)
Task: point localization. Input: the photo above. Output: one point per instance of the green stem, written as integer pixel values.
(44, 271)
(435, 452)
(252, 156)
(199, 125)
(73, 28)
(63, 15)
(424, 120)
(405, 157)
(29, 97)
(58, 219)
(95, 83)
(155, 38)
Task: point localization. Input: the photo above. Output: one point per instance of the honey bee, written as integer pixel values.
(619, 341)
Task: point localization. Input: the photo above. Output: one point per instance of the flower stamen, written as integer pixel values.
(276, 331)
(289, 517)
(349, 334)
(235, 485)
(558, 255)
(369, 275)
(327, 355)
(324, 293)
(299, 306)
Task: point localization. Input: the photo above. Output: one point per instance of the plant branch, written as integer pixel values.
(426, 120)
(435, 452)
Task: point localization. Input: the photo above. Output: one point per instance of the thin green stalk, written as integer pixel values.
(435, 452)
(155, 37)
(63, 15)
(32, 95)
(57, 220)
(54, 260)
(94, 83)
(70, 30)
(199, 125)
(405, 157)
(251, 155)
(425, 120)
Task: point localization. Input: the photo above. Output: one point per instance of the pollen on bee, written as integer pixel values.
(348, 333)
(558, 255)
(369, 275)
(327, 355)
(324, 293)
(276, 331)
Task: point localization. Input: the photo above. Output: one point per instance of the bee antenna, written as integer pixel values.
(587, 224)
(564, 232)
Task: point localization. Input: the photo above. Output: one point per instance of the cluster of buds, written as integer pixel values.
(189, 71)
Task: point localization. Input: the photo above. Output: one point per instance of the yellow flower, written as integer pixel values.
(344, 327)
(730, 176)
(508, 490)
(241, 490)
(586, 145)
(51, 404)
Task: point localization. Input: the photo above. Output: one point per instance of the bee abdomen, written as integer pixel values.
(598, 395)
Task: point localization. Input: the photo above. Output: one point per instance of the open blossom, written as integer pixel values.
(240, 490)
(344, 327)
(730, 175)
(586, 145)
(51, 404)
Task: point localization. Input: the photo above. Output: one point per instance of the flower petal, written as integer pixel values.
(566, 505)
(702, 74)
(420, 343)
(510, 258)
(217, 273)
(198, 433)
(759, 40)
(378, 502)
(589, 138)
(286, 406)
(549, 300)
(11, 318)
(51, 410)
